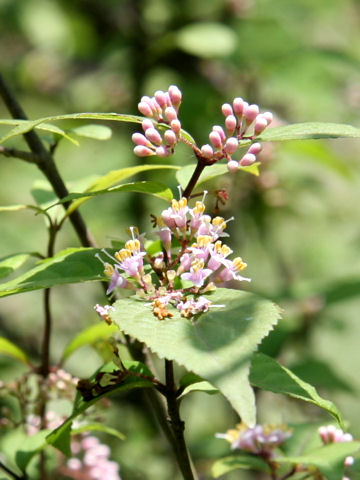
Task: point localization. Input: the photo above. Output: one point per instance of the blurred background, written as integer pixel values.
(297, 225)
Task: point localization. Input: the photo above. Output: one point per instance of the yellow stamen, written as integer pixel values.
(133, 245)
(109, 270)
(239, 264)
(197, 264)
(219, 222)
(122, 254)
(199, 208)
(203, 241)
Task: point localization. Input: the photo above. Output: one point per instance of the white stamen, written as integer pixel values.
(108, 255)
(180, 191)
(204, 196)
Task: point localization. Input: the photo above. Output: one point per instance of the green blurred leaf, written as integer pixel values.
(239, 460)
(97, 132)
(9, 348)
(218, 346)
(10, 263)
(184, 174)
(30, 447)
(114, 177)
(328, 459)
(311, 130)
(267, 374)
(72, 265)
(89, 336)
(23, 124)
(151, 188)
(98, 427)
(60, 437)
(206, 40)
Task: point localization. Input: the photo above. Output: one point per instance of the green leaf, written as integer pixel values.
(151, 188)
(60, 437)
(89, 336)
(193, 383)
(311, 130)
(98, 427)
(184, 174)
(268, 374)
(206, 39)
(9, 348)
(97, 132)
(218, 346)
(10, 263)
(114, 177)
(328, 459)
(30, 447)
(239, 460)
(21, 125)
(72, 265)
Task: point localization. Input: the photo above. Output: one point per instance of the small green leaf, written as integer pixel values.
(151, 188)
(268, 374)
(206, 39)
(98, 427)
(97, 132)
(184, 174)
(23, 127)
(60, 437)
(328, 459)
(30, 447)
(311, 130)
(89, 336)
(193, 383)
(69, 266)
(218, 346)
(239, 460)
(10, 263)
(9, 348)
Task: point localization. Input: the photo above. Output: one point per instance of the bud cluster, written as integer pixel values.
(259, 440)
(242, 122)
(331, 434)
(191, 260)
(163, 107)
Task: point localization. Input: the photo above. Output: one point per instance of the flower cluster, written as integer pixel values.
(259, 440)
(163, 107)
(90, 461)
(242, 122)
(190, 261)
(331, 434)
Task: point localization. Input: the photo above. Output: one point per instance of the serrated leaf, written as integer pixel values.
(9, 348)
(267, 374)
(89, 336)
(29, 448)
(151, 188)
(184, 174)
(218, 346)
(311, 130)
(328, 459)
(96, 132)
(114, 177)
(98, 427)
(206, 39)
(60, 437)
(239, 460)
(72, 265)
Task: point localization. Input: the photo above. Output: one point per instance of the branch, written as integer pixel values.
(13, 152)
(11, 473)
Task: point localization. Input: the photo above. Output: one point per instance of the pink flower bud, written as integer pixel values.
(175, 95)
(161, 98)
(175, 126)
(170, 113)
(153, 135)
(250, 113)
(170, 137)
(269, 117)
(207, 151)
(215, 139)
(230, 123)
(74, 464)
(260, 124)
(349, 461)
(233, 166)
(147, 123)
(238, 106)
(162, 151)
(220, 131)
(140, 139)
(142, 151)
(231, 145)
(247, 159)
(255, 148)
(145, 109)
(227, 109)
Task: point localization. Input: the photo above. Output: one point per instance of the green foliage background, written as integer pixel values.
(297, 224)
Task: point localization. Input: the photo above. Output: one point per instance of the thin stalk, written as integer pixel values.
(177, 425)
(194, 178)
(11, 473)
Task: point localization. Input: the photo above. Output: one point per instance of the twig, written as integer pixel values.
(11, 473)
(13, 152)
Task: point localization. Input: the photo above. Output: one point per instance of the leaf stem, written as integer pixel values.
(177, 425)
(11, 473)
(201, 164)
